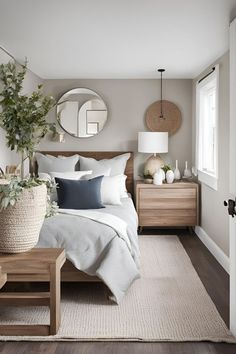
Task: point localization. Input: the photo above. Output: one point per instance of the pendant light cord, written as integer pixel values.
(161, 114)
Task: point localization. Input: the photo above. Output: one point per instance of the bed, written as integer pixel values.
(104, 237)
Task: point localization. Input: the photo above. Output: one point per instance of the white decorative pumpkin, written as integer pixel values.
(170, 176)
(158, 177)
(163, 174)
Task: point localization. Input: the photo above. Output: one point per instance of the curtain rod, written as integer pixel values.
(204, 77)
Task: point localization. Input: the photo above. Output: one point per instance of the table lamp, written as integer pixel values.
(153, 142)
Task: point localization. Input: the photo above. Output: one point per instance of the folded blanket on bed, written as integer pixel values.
(99, 243)
(119, 225)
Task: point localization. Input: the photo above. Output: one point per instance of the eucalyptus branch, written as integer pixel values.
(11, 192)
(23, 117)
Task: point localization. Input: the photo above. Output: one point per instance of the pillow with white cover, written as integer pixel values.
(74, 175)
(100, 172)
(106, 173)
(111, 189)
(123, 190)
(48, 163)
(117, 164)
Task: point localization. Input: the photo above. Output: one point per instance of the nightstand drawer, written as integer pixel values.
(168, 198)
(167, 217)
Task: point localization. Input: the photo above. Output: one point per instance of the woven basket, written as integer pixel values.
(20, 224)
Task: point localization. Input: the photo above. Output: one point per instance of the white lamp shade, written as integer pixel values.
(153, 142)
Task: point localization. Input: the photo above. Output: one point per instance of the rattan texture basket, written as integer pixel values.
(20, 224)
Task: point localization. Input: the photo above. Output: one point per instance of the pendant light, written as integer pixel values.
(161, 114)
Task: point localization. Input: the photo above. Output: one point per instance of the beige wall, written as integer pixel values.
(214, 218)
(127, 101)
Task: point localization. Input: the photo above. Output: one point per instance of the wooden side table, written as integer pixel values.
(38, 261)
(175, 204)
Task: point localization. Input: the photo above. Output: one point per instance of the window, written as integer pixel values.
(207, 134)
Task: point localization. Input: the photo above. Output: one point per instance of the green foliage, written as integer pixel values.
(166, 168)
(11, 192)
(147, 175)
(22, 116)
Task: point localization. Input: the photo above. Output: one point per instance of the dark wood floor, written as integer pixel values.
(216, 282)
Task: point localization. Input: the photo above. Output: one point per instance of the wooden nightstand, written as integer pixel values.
(173, 204)
(32, 264)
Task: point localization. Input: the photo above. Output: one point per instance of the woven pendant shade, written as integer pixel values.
(172, 117)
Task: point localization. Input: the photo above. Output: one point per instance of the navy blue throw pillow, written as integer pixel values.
(82, 194)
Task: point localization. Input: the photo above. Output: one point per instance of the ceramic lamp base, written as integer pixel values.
(152, 164)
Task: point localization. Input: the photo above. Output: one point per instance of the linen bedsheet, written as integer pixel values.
(97, 248)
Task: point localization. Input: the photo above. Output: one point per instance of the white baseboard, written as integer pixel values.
(213, 248)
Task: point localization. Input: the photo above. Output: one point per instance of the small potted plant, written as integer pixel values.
(23, 202)
(148, 178)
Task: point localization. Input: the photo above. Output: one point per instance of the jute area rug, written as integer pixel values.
(168, 303)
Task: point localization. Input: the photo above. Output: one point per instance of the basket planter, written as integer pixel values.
(20, 224)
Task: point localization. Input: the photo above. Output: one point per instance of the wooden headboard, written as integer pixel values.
(98, 155)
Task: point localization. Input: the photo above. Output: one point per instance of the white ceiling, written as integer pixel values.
(116, 38)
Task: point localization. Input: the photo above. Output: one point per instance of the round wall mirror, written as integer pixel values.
(81, 112)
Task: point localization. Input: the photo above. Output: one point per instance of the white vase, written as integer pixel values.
(163, 174)
(177, 171)
(158, 177)
(170, 176)
(187, 172)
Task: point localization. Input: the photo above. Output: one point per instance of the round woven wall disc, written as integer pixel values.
(172, 117)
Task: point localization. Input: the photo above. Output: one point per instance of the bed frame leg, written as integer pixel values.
(140, 230)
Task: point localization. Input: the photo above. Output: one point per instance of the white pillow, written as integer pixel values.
(106, 173)
(117, 164)
(48, 163)
(101, 172)
(74, 175)
(47, 177)
(44, 176)
(111, 189)
(123, 190)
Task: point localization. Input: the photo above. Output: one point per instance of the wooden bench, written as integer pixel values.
(36, 262)
(3, 278)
